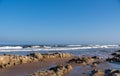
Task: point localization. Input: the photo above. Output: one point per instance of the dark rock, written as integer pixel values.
(98, 73)
(94, 64)
(107, 72)
(81, 60)
(95, 57)
(115, 58)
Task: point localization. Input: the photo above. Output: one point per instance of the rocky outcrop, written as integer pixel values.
(81, 60)
(107, 72)
(95, 57)
(36, 55)
(113, 72)
(98, 73)
(48, 55)
(94, 64)
(10, 60)
(115, 57)
(57, 55)
(54, 71)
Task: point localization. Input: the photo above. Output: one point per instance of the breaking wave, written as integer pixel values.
(53, 47)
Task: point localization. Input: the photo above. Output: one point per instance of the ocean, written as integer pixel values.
(103, 51)
(76, 50)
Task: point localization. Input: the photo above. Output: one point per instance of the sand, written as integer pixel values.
(25, 69)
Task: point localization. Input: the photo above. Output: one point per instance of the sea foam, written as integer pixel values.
(53, 48)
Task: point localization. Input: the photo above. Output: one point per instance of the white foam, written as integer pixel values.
(10, 47)
(73, 45)
(49, 48)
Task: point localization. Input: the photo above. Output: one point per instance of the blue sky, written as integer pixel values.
(59, 21)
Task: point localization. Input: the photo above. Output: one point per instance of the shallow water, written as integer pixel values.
(115, 65)
(103, 52)
(80, 71)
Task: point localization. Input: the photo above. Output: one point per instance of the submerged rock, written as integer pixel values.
(115, 58)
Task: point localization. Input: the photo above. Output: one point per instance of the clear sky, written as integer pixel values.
(59, 21)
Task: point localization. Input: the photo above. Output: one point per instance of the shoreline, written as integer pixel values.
(82, 65)
(28, 68)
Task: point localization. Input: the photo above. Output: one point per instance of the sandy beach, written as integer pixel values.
(79, 69)
(24, 69)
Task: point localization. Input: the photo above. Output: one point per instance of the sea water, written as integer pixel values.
(103, 51)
